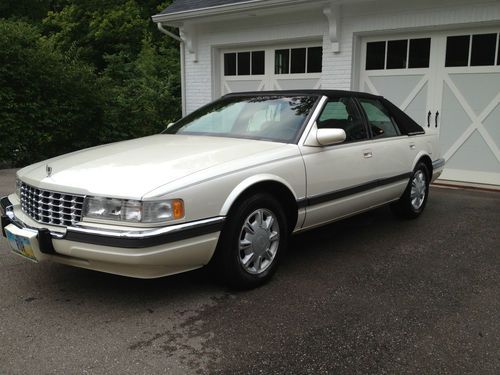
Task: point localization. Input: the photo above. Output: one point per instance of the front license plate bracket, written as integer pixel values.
(21, 243)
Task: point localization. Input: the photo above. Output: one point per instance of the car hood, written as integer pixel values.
(132, 168)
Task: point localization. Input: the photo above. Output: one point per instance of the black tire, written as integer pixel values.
(228, 257)
(407, 207)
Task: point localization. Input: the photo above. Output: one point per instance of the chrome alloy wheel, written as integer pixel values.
(258, 241)
(418, 190)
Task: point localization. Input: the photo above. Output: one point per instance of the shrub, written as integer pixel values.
(49, 104)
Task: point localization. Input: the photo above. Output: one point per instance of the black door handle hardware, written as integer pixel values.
(429, 119)
(436, 119)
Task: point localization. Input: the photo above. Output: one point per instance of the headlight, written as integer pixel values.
(132, 210)
(18, 187)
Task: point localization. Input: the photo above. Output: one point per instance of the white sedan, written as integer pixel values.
(226, 186)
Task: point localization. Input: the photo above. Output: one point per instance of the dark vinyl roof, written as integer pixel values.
(186, 5)
(325, 92)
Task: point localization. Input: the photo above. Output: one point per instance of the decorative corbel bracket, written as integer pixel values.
(188, 36)
(333, 13)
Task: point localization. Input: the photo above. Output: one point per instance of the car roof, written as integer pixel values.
(330, 93)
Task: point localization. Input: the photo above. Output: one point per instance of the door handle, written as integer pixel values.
(429, 114)
(412, 146)
(436, 119)
(367, 154)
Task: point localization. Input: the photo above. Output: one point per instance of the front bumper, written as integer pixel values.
(144, 253)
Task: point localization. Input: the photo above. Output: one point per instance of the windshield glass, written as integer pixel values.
(275, 118)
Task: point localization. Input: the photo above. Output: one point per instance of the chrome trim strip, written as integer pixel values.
(312, 120)
(6, 207)
(144, 234)
(144, 238)
(438, 163)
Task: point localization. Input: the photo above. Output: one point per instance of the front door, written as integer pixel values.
(339, 176)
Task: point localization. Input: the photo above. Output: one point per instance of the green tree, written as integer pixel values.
(95, 29)
(47, 101)
(29, 10)
(74, 74)
(143, 95)
(137, 66)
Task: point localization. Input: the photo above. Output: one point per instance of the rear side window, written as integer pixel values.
(381, 124)
(341, 113)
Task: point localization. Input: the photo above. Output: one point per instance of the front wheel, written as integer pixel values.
(252, 241)
(413, 201)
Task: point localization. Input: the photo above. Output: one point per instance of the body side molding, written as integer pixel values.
(334, 195)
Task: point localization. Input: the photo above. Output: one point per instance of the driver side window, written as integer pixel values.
(341, 113)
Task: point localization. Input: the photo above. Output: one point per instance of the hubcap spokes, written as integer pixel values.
(259, 241)
(418, 190)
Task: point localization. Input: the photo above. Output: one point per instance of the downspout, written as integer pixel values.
(183, 64)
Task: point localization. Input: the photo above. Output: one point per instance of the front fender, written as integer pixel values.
(248, 183)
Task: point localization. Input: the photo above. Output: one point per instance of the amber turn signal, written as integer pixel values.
(178, 209)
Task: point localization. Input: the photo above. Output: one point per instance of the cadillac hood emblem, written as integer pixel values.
(48, 170)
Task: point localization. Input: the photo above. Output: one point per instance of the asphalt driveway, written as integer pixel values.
(371, 294)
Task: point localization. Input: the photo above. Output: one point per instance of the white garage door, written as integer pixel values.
(272, 68)
(450, 83)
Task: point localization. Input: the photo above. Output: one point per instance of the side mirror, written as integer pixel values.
(169, 125)
(327, 137)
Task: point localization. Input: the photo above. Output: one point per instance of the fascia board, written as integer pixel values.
(175, 18)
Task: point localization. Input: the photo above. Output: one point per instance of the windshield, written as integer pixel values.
(274, 118)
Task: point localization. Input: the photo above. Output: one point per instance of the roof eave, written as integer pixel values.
(177, 17)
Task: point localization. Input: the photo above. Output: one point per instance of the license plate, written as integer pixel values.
(21, 245)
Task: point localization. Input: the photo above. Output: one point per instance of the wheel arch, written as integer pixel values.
(267, 183)
(426, 159)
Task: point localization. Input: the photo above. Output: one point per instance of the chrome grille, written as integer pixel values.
(50, 207)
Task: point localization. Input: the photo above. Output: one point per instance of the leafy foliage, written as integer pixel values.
(46, 99)
(76, 74)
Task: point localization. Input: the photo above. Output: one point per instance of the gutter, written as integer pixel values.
(183, 64)
(229, 8)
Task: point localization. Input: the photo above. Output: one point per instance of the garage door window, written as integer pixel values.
(298, 60)
(498, 51)
(244, 63)
(472, 50)
(398, 54)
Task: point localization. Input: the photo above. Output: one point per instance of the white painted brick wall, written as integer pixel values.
(362, 18)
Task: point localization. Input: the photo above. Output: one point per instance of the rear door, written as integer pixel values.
(391, 150)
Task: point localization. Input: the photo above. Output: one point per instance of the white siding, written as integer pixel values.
(252, 31)
(361, 18)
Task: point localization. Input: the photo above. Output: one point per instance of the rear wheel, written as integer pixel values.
(413, 201)
(252, 241)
